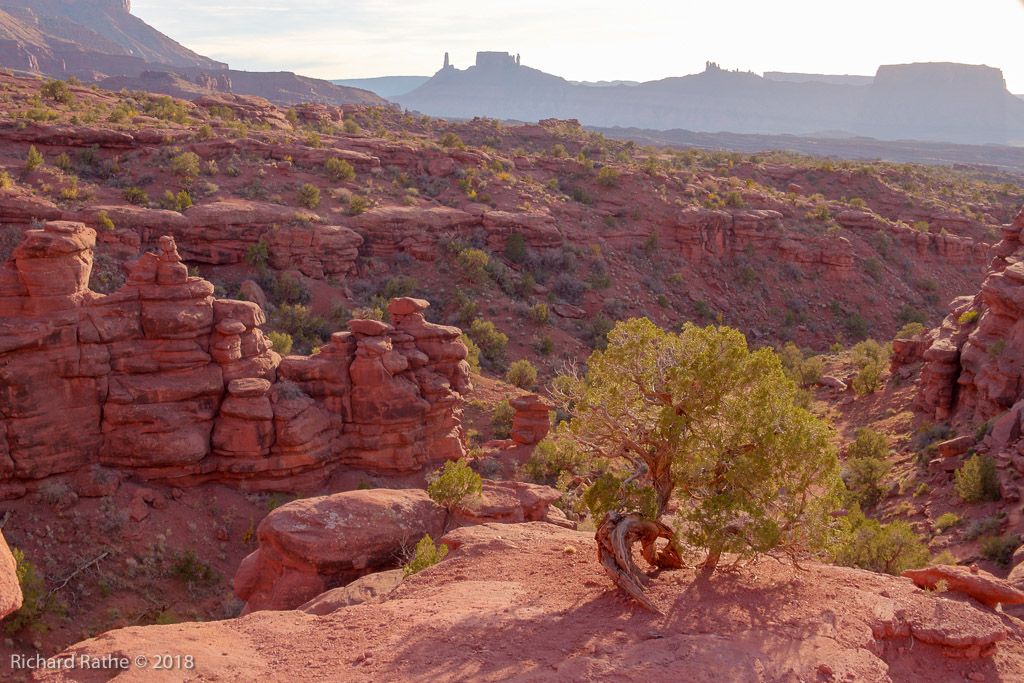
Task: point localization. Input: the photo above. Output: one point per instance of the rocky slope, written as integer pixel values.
(530, 602)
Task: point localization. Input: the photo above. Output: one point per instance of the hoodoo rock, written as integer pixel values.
(532, 420)
(165, 381)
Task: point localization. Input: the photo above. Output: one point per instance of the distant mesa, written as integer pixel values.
(927, 102)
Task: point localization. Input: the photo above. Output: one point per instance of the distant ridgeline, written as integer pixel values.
(933, 101)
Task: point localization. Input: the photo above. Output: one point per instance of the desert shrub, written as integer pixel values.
(304, 327)
(398, 286)
(191, 570)
(568, 287)
(550, 464)
(309, 196)
(166, 109)
(472, 262)
(474, 353)
(205, 132)
(608, 177)
(863, 477)
(339, 170)
(186, 165)
(454, 484)
(515, 248)
(290, 290)
(35, 601)
(281, 342)
(258, 255)
(968, 318)
(803, 371)
(948, 520)
(491, 342)
(557, 151)
(176, 202)
(501, 419)
(856, 326)
(699, 412)
(735, 200)
(9, 239)
(922, 490)
(522, 374)
(870, 358)
(597, 331)
(59, 92)
(999, 549)
(582, 195)
(545, 345)
(539, 314)
(986, 526)
(104, 222)
(313, 140)
(909, 331)
(357, 205)
(977, 480)
(868, 444)
(427, 555)
(873, 267)
(5, 180)
(33, 160)
(351, 127)
(452, 140)
(889, 549)
(136, 196)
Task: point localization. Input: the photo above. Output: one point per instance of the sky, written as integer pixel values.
(595, 39)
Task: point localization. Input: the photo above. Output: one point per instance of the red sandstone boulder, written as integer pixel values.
(372, 587)
(312, 545)
(980, 585)
(532, 420)
(10, 590)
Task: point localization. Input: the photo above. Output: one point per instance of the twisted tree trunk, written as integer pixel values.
(615, 539)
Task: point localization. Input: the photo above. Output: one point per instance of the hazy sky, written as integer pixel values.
(596, 39)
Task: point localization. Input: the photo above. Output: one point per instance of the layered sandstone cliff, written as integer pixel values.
(163, 380)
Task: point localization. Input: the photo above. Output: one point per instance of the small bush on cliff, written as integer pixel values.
(193, 571)
(491, 342)
(909, 331)
(309, 196)
(186, 165)
(515, 248)
(863, 477)
(870, 358)
(968, 318)
(339, 171)
(608, 177)
(59, 92)
(539, 314)
(34, 159)
(258, 255)
(889, 549)
(1000, 549)
(176, 202)
(977, 480)
(9, 239)
(35, 602)
(803, 371)
(455, 483)
(136, 196)
(281, 342)
(427, 555)
(522, 374)
(948, 520)
(474, 353)
(473, 263)
(452, 140)
(305, 328)
(501, 419)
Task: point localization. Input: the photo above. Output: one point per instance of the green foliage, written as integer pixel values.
(357, 205)
(258, 255)
(455, 483)
(176, 202)
(136, 196)
(186, 165)
(996, 349)
(34, 159)
(889, 549)
(281, 342)
(104, 222)
(864, 477)
(472, 262)
(870, 358)
(735, 200)
(452, 140)
(309, 196)
(313, 140)
(948, 520)
(968, 318)
(1000, 549)
(873, 267)
(427, 555)
(191, 570)
(339, 171)
(35, 602)
(977, 480)
(491, 342)
(613, 491)
(515, 248)
(909, 331)
(700, 412)
(522, 374)
(166, 109)
(608, 177)
(868, 444)
(351, 127)
(803, 371)
(306, 329)
(59, 92)
(501, 419)
(551, 463)
(474, 353)
(5, 180)
(205, 132)
(539, 314)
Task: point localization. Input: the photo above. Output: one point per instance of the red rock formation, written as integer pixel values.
(165, 381)
(982, 586)
(975, 368)
(10, 590)
(532, 420)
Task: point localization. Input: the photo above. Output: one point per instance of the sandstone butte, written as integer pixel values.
(529, 602)
(164, 381)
